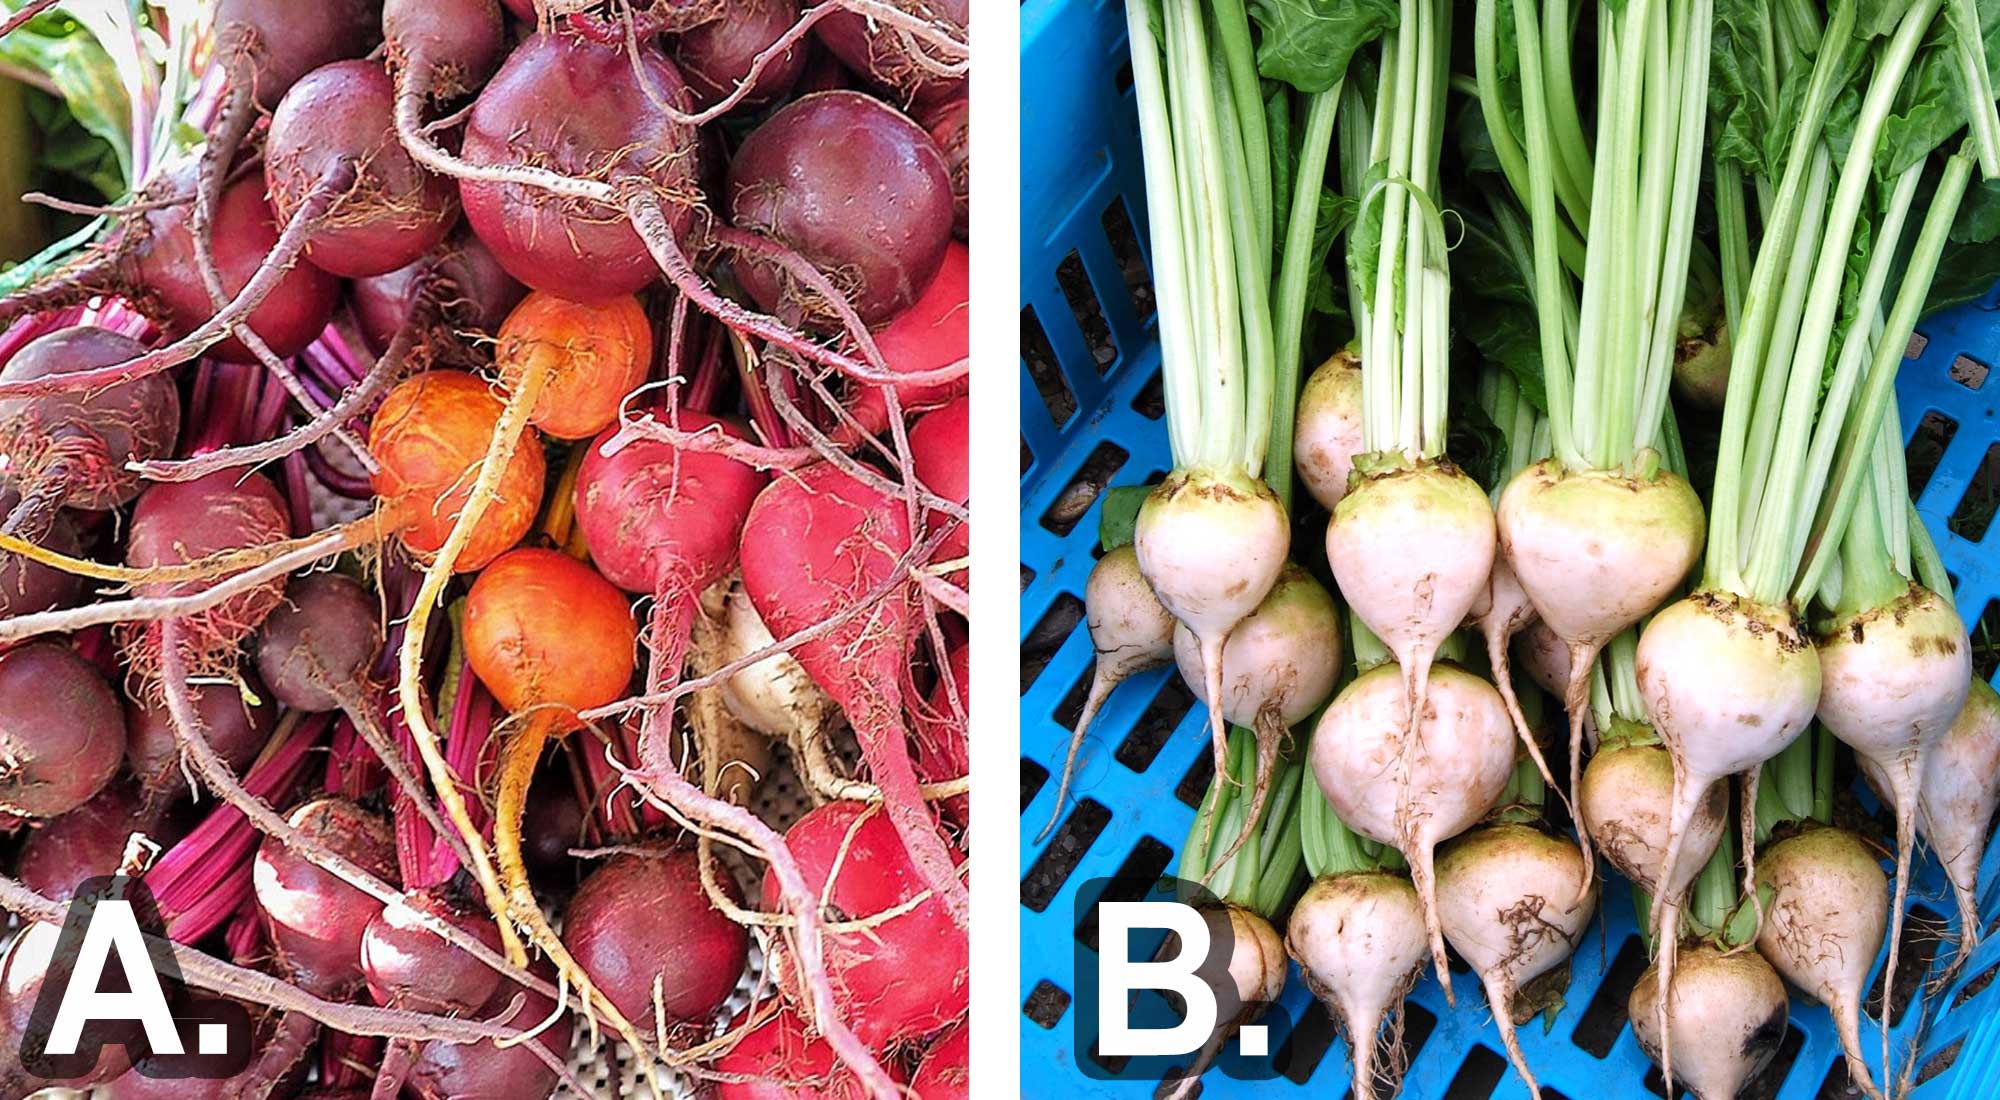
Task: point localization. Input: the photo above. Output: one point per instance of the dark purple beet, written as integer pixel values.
(61, 730)
(609, 24)
(823, 72)
(161, 267)
(251, 1084)
(883, 54)
(342, 117)
(551, 827)
(453, 45)
(716, 56)
(320, 641)
(28, 587)
(855, 187)
(640, 916)
(316, 920)
(22, 970)
(467, 288)
(236, 731)
(177, 522)
(482, 1071)
(84, 843)
(578, 108)
(284, 40)
(85, 437)
(950, 125)
(409, 966)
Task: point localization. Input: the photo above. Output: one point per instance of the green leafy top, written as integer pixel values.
(1308, 43)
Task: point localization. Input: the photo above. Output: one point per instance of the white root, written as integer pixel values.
(1415, 791)
(1823, 928)
(1513, 902)
(1130, 631)
(1211, 544)
(1725, 1010)
(1359, 940)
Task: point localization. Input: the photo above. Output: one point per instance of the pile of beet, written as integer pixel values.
(483, 533)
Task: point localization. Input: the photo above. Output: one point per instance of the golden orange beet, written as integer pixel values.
(542, 628)
(430, 436)
(594, 355)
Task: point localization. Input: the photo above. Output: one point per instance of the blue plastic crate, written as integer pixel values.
(1081, 169)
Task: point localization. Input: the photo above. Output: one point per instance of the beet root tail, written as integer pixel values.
(1100, 690)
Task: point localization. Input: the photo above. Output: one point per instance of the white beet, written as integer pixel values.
(775, 697)
(1545, 656)
(1328, 435)
(1513, 900)
(1279, 665)
(1130, 631)
(1415, 790)
(1359, 940)
(1411, 548)
(1729, 683)
(1893, 679)
(1726, 1016)
(1824, 924)
(1257, 971)
(1626, 799)
(1212, 543)
(1595, 550)
(1955, 804)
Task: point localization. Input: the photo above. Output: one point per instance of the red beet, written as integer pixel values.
(73, 450)
(460, 286)
(887, 58)
(940, 450)
(656, 518)
(553, 825)
(162, 269)
(640, 916)
(315, 649)
(317, 921)
(938, 750)
(780, 1061)
(29, 587)
(818, 542)
(906, 977)
(61, 730)
(84, 843)
(578, 108)
(950, 125)
(716, 56)
(282, 40)
(945, 1072)
(449, 47)
(253, 1083)
(236, 730)
(482, 1071)
(22, 971)
(930, 335)
(341, 119)
(409, 966)
(179, 522)
(856, 188)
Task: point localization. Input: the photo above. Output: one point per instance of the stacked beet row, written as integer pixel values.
(482, 447)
